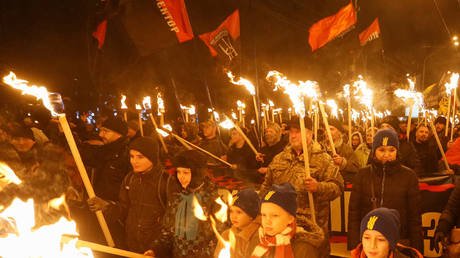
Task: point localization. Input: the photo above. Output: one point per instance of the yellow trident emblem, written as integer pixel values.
(269, 194)
(385, 141)
(371, 222)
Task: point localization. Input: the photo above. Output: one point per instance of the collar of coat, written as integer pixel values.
(247, 232)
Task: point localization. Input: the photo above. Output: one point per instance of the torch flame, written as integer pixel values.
(191, 110)
(243, 82)
(168, 127)
(138, 107)
(221, 214)
(270, 103)
(7, 175)
(198, 210)
(40, 92)
(346, 90)
(160, 104)
(146, 103)
(216, 116)
(227, 124)
(411, 96)
(234, 116)
(334, 109)
(453, 83)
(162, 132)
(123, 104)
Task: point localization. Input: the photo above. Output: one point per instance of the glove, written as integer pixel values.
(439, 237)
(97, 204)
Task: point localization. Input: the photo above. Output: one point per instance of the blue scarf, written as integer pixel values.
(186, 224)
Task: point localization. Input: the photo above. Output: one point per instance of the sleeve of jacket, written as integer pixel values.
(354, 217)
(352, 162)
(330, 185)
(414, 213)
(268, 180)
(119, 210)
(410, 159)
(451, 212)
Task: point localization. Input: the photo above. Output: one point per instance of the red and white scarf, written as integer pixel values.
(281, 243)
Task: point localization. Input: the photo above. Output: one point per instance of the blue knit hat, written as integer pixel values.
(385, 137)
(283, 195)
(248, 200)
(384, 220)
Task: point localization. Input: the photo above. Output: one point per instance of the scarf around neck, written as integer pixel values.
(281, 243)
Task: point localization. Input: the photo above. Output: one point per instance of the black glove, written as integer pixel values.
(439, 237)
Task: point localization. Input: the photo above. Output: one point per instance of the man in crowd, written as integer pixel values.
(274, 145)
(325, 182)
(426, 150)
(211, 142)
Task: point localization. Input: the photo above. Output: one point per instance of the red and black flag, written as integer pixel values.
(370, 33)
(221, 41)
(99, 33)
(154, 25)
(331, 27)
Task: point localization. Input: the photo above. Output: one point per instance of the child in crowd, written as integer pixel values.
(380, 236)
(182, 233)
(244, 215)
(279, 237)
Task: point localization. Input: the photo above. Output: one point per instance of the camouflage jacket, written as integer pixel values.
(289, 167)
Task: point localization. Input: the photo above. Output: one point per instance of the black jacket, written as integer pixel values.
(451, 214)
(395, 187)
(111, 164)
(141, 206)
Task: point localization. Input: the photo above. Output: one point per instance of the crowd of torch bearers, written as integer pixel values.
(306, 101)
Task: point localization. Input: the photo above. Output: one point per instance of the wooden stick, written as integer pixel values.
(372, 120)
(84, 176)
(246, 138)
(409, 120)
(256, 109)
(454, 113)
(307, 166)
(433, 129)
(125, 116)
(162, 119)
(102, 248)
(448, 117)
(200, 149)
(349, 120)
(159, 136)
(141, 127)
(328, 130)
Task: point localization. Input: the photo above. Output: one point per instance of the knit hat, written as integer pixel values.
(148, 147)
(385, 137)
(116, 124)
(283, 195)
(336, 123)
(384, 220)
(294, 123)
(22, 131)
(248, 200)
(440, 120)
(391, 120)
(194, 160)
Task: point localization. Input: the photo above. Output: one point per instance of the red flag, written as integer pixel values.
(179, 21)
(370, 33)
(222, 37)
(99, 33)
(331, 27)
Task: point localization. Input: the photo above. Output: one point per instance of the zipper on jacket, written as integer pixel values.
(383, 186)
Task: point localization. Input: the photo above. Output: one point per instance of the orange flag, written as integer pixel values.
(222, 37)
(331, 27)
(99, 33)
(370, 33)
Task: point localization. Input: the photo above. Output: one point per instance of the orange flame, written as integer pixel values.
(243, 82)
(138, 107)
(146, 103)
(123, 104)
(227, 124)
(453, 83)
(334, 108)
(160, 104)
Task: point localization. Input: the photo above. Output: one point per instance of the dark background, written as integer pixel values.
(49, 42)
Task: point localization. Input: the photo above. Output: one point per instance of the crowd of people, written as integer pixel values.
(149, 196)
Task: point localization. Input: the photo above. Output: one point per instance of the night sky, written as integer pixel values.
(49, 42)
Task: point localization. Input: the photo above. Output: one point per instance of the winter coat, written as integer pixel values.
(350, 165)
(426, 152)
(215, 146)
(395, 187)
(271, 151)
(287, 166)
(400, 251)
(408, 156)
(188, 236)
(305, 244)
(451, 214)
(362, 153)
(141, 206)
(246, 163)
(111, 164)
(245, 239)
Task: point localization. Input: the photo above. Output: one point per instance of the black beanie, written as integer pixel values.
(148, 147)
(391, 120)
(22, 131)
(384, 220)
(385, 137)
(247, 200)
(440, 120)
(192, 159)
(295, 123)
(283, 195)
(117, 125)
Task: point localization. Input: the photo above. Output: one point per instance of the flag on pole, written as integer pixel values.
(99, 33)
(331, 27)
(370, 33)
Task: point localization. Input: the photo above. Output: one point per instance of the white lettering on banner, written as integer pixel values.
(429, 223)
(167, 16)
